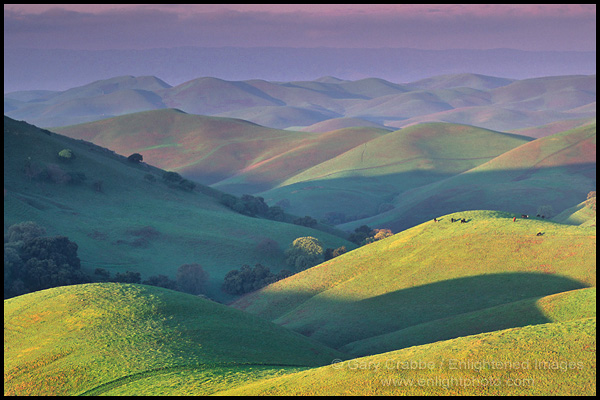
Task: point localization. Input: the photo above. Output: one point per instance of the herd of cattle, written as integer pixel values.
(463, 221)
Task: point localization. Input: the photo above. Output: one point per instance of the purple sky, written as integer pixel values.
(421, 26)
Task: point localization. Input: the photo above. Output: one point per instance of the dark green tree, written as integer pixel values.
(135, 158)
(50, 262)
(128, 277)
(162, 281)
(192, 278)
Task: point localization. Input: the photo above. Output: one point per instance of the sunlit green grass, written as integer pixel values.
(73, 339)
(550, 359)
(432, 271)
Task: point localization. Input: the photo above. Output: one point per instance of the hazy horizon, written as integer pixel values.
(59, 46)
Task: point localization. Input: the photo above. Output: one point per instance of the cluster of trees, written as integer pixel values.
(248, 279)
(307, 221)
(365, 235)
(174, 180)
(35, 262)
(55, 173)
(190, 278)
(333, 253)
(51, 172)
(252, 206)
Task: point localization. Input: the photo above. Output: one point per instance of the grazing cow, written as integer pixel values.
(539, 234)
(524, 216)
(538, 215)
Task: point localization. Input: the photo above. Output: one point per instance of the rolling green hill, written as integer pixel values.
(549, 359)
(95, 338)
(430, 272)
(364, 179)
(125, 217)
(583, 214)
(212, 149)
(557, 170)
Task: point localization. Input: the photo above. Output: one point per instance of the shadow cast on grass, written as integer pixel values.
(338, 323)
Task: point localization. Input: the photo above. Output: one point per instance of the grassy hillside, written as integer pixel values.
(475, 81)
(554, 127)
(549, 359)
(557, 170)
(429, 272)
(135, 222)
(583, 214)
(363, 179)
(94, 338)
(211, 149)
(560, 307)
(339, 123)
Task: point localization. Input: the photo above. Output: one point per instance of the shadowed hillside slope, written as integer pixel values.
(126, 217)
(557, 170)
(211, 149)
(363, 180)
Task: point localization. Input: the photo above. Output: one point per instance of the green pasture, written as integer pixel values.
(87, 339)
(432, 271)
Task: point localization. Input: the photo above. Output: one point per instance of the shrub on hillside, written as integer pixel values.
(186, 185)
(101, 275)
(304, 252)
(246, 279)
(135, 158)
(360, 235)
(66, 155)
(307, 221)
(172, 177)
(333, 253)
(275, 213)
(191, 278)
(247, 205)
(365, 235)
(378, 234)
(162, 281)
(127, 277)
